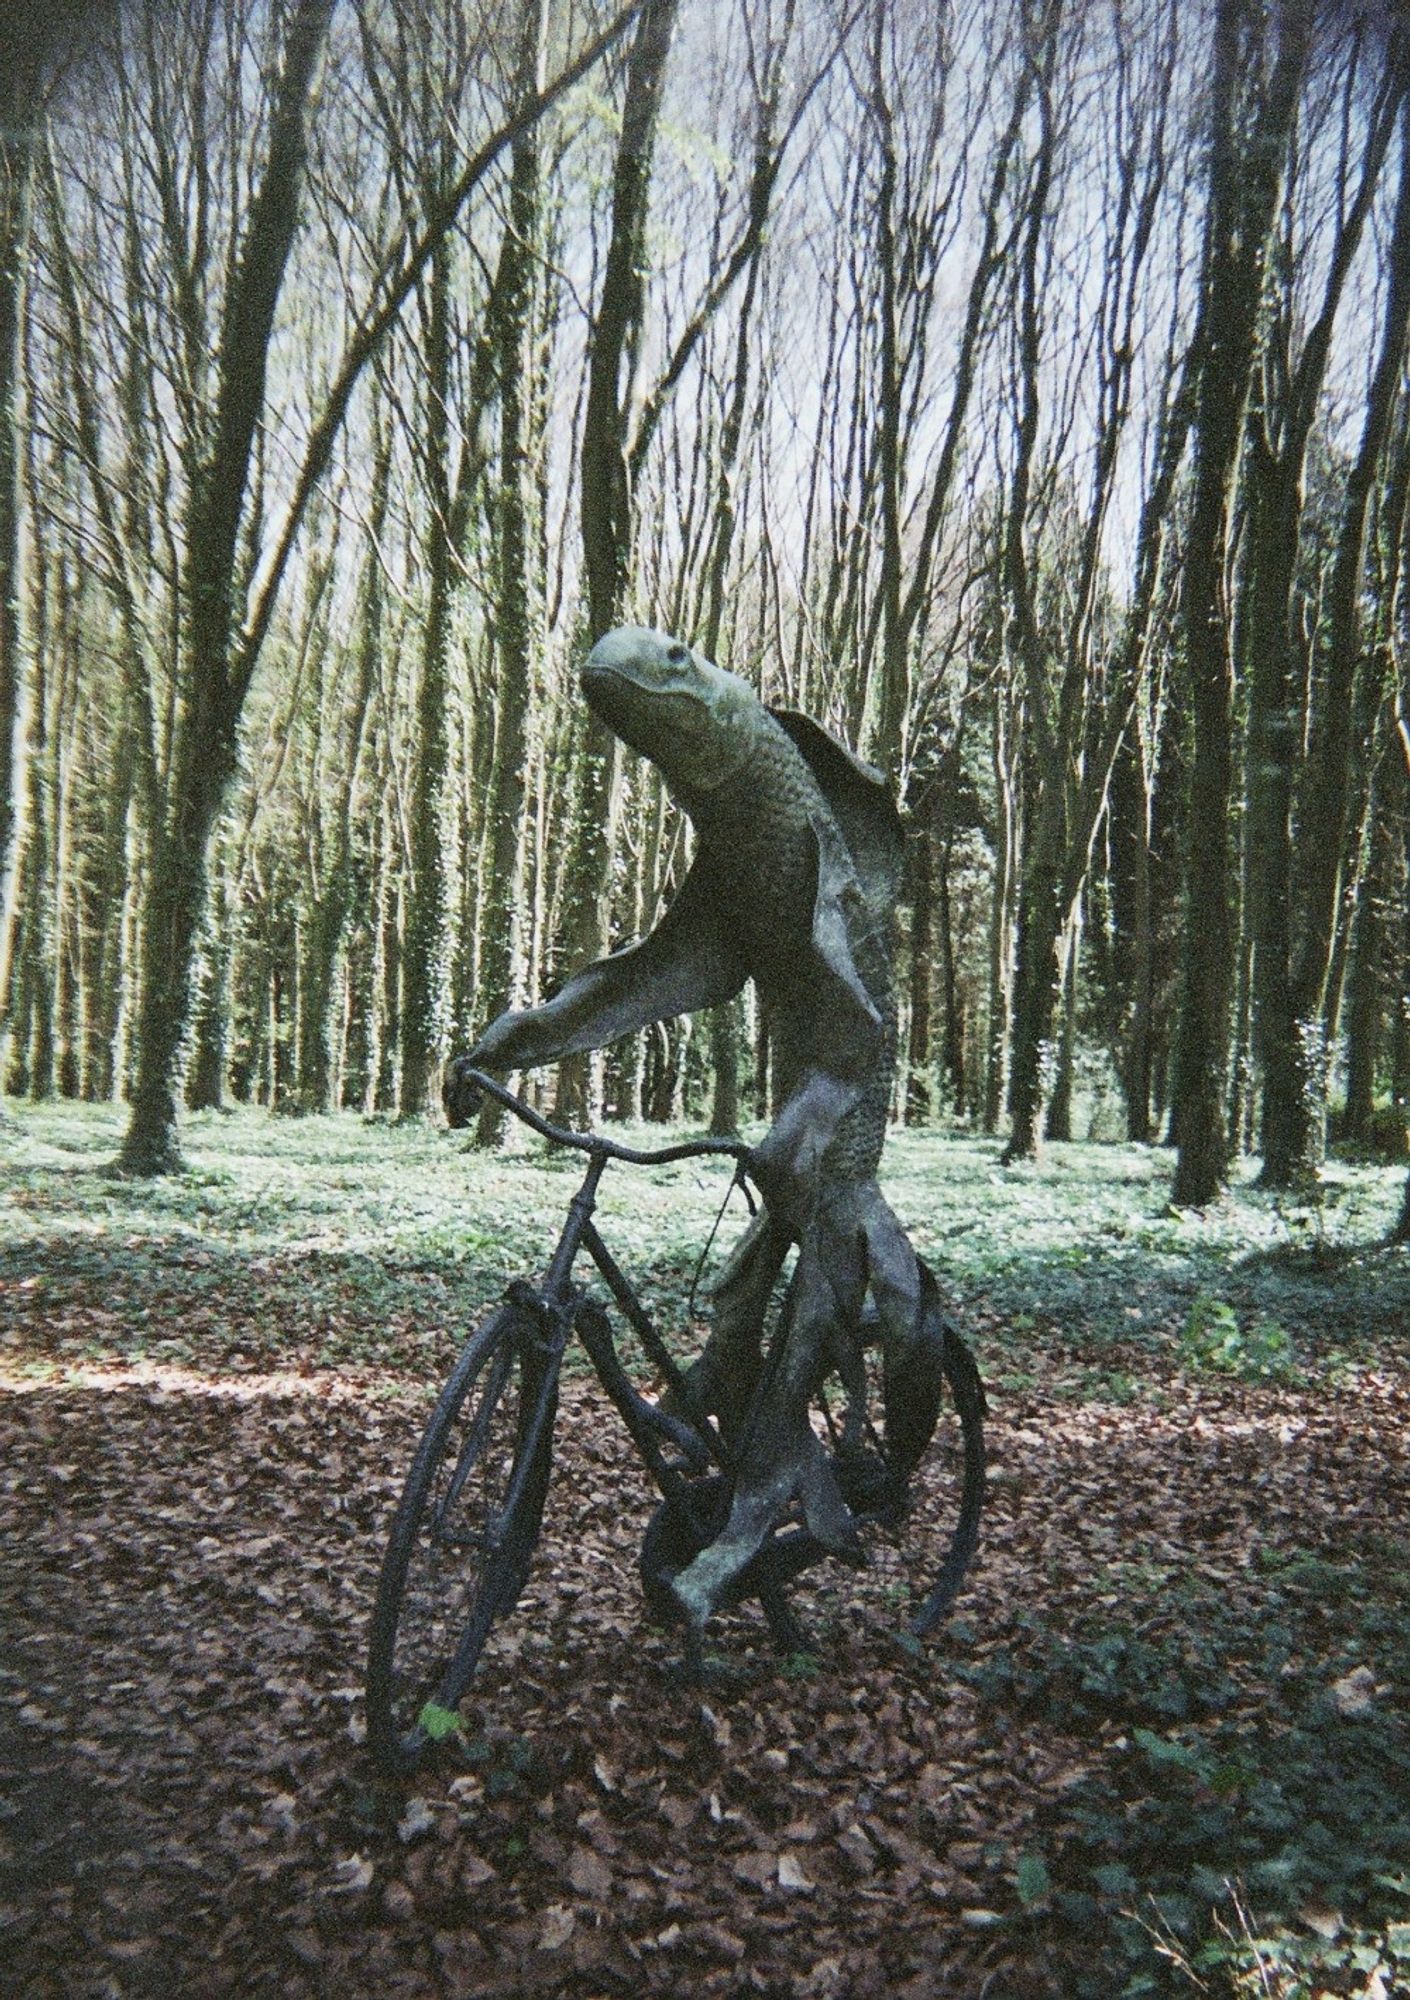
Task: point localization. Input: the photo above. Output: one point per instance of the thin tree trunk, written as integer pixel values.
(21, 113)
(1077, 717)
(1133, 968)
(518, 591)
(204, 753)
(1008, 816)
(331, 885)
(425, 1008)
(952, 1056)
(922, 900)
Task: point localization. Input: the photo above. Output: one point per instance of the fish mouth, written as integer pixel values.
(602, 687)
(595, 674)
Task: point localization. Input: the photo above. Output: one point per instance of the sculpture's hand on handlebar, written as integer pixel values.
(460, 1094)
(497, 1050)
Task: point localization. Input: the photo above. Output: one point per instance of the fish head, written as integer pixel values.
(693, 720)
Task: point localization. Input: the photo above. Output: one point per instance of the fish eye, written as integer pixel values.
(677, 654)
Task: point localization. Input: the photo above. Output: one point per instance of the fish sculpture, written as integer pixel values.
(794, 884)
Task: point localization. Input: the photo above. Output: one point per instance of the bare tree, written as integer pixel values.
(1325, 812)
(227, 572)
(518, 588)
(1079, 705)
(37, 48)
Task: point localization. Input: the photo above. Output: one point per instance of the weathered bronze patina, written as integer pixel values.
(794, 885)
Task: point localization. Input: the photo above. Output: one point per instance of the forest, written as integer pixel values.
(1020, 391)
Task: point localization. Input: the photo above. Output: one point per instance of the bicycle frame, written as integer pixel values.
(561, 1309)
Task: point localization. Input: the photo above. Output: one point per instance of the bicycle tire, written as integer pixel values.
(919, 1519)
(967, 1395)
(461, 1540)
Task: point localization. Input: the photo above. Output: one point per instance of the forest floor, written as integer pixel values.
(1160, 1746)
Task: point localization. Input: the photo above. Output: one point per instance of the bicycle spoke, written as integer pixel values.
(461, 1538)
(475, 1440)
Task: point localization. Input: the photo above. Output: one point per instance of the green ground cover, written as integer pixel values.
(394, 1234)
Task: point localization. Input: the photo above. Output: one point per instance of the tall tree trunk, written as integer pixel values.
(1244, 184)
(204, 752)
(1132, 944)
(108, 866)
(725, 1020)
(1040, 917)
(425, 1009)
(606, 508)
(517, 584)
(1077, 714)
(1293, 1151)
(21, 115)
(332, 879)
(1285, 1042)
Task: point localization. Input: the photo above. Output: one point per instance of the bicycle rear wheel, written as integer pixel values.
(918, 1508)
(919, 1515)
(460, 1543)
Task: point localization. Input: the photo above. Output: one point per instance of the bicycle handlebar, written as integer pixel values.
(593, 1142)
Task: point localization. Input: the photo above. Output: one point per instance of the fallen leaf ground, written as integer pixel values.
(1166, 1717)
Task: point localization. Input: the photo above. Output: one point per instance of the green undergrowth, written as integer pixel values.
(334, 1242)
(339, 1241)
(1086, 1244)
(1244, 1826)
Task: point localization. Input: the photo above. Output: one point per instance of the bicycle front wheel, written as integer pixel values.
(463, 1535)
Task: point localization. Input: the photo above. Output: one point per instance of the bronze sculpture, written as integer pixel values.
(794, 884)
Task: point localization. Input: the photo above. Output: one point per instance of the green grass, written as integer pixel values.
(364, 1242)
(1086, 1244)
(336, 1240)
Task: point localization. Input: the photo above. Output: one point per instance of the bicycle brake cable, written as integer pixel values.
(738, 1181)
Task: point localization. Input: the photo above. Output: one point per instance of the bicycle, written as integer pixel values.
(463, 1536)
